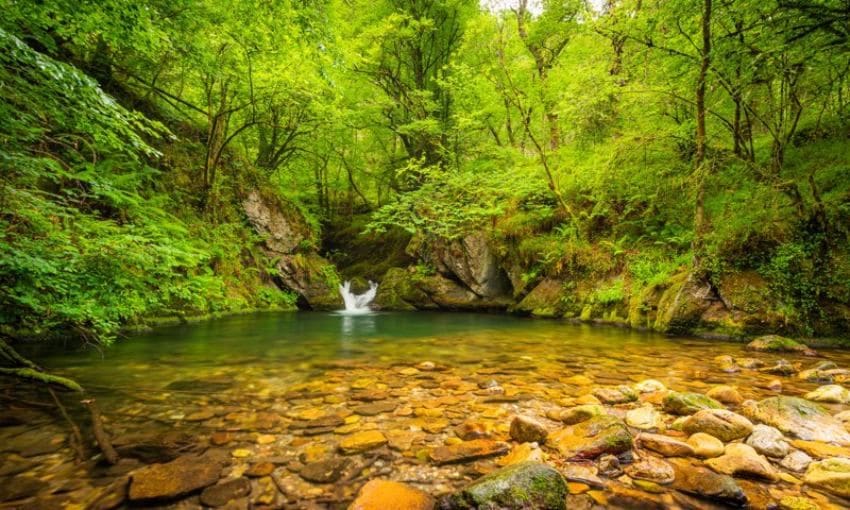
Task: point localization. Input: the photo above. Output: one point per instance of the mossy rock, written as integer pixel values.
(522, 486)
(545, 300)
(682, 304)
(776, 343)
(688, 403)
(397, 291)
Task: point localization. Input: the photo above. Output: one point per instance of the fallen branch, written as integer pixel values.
(43, 377)
(76, 437)
(100, 435)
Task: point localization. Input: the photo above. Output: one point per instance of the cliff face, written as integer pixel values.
(288, 241)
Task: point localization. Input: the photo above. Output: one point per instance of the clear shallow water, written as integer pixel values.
(244, 383)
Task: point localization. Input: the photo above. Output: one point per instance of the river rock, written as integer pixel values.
(742, 460)
(21, 487)
(750, 363)
(705, 483)
(474, 430)
(832, 393)
(384, 494)
(725, 394)
(644, 418)
(181, 476)
(796, 461)
(720, 423)
(832, 475)
(776, 343)
(324, 471)
(706, 446)
(781, 367)
(609, 465)
(223, 493)
(521, 453)
(375, 408)
(528, 430)
(618, 395)
(649, 386)
(797, 417)
(665, 445)
(467, 451)
(580, 413)
(768, 441)
(727, 364)
(652, 469)
(821, 450)
(523, 486)
(797, 503)
(362, 441)
(591, 438)
(819, 372)
(688, 403)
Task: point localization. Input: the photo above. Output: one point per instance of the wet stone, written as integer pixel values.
(768, 441)
(781, 367)
(260, 470)
(522, 486)
(702, 482)
(591, 438)
(720, 423)
(706, 446)
(525, 429)
(799, 418)
(796, 461)
(176, 478)
(223, 493)
(362, 441)
(473, 430)
(688, 403)
(385, 494)
(325, 471)
(832, 475)
(665, 445)
(467, 451)
(375, 408)
(21, 487)
(742, 460)
(579, 414)
(618, 395)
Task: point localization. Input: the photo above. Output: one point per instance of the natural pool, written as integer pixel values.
(303, 408)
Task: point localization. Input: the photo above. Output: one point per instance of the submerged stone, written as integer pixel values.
(223, 493)
(324, 471)
(467, 451)
(523, 486)
(176, 478)
(652, 469)
(362, 441)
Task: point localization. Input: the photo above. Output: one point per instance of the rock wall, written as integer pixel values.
(287, 240)
(461, 274)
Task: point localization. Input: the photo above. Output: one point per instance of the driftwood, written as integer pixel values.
(100, 435)
(23, 368)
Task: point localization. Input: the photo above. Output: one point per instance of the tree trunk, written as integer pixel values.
(700, 167)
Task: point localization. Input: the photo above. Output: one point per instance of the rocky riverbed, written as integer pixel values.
(693, 425)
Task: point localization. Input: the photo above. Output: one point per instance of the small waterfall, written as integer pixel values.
(357, 303)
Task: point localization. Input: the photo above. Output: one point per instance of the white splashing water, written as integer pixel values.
(357, 303)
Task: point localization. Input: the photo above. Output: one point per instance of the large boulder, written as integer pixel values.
(287, 239)
(523, 486)
(544, 300)
(468, 260)
(776, 343)
(408, 289)
(797, 417)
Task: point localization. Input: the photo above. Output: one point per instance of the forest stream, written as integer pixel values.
(299, 410)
